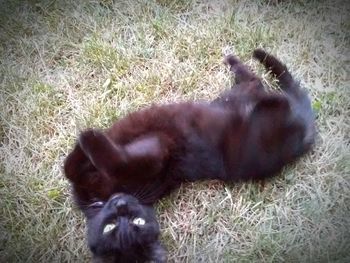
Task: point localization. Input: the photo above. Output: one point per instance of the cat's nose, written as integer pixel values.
(120, 205)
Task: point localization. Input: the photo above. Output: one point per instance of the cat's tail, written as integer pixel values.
(279, 70)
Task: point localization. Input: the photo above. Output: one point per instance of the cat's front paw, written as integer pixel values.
(90, 137)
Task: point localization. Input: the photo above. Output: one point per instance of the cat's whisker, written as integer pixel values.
(145, 191)
(142, 190)
(137, 194)
(153, 192)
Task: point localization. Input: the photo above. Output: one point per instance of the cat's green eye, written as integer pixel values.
(138, 221)
(109, 228)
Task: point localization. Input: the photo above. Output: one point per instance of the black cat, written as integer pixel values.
(245, 134)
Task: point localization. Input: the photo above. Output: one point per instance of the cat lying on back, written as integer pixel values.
(245, 134)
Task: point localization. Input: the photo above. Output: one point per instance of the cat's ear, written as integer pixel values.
(73, 162)
(141, 155)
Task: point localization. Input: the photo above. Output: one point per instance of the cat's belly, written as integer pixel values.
(200, 161)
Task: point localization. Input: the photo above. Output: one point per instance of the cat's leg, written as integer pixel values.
(279, 70)
(248, 85)
(105, 155)
(241, 71)
(141, 156)
(300, 99)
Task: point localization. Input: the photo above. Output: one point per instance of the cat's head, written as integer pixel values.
(122, 229)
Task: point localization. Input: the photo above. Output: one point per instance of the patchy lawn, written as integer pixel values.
(68, 65)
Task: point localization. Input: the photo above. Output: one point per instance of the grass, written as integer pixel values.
(68, 65)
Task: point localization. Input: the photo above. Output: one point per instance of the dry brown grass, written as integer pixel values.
(67, 65)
